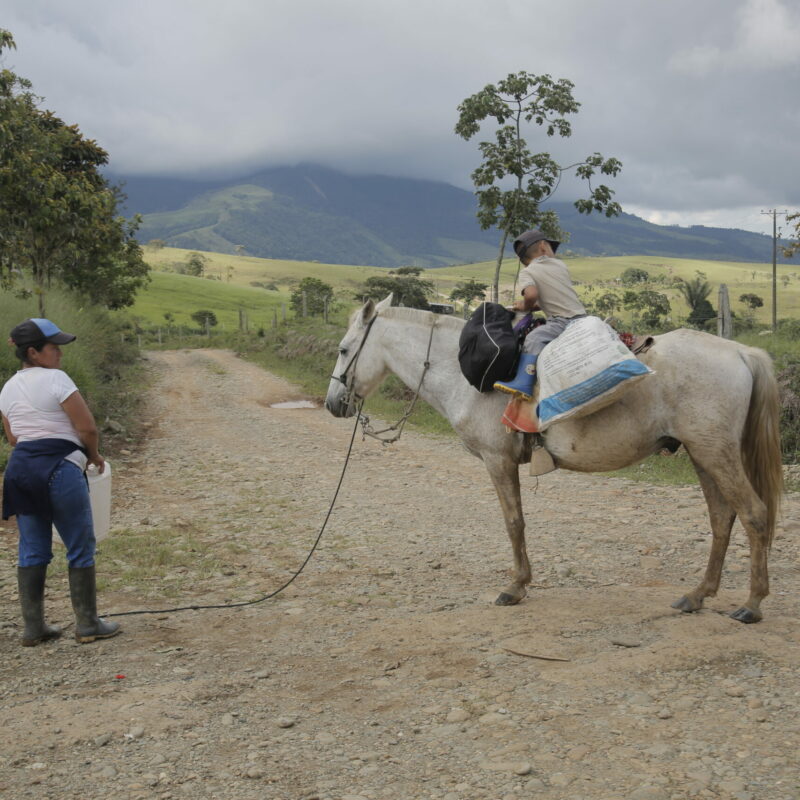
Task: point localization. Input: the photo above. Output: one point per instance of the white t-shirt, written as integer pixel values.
(31, 402)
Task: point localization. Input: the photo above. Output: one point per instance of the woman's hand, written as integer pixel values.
(85, 426)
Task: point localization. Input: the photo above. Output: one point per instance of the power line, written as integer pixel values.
(775, 213)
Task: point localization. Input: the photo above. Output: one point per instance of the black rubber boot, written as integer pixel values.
(83, 593)
(30, 581)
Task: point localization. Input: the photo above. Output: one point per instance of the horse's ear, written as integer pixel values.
(384, 304)
(368, 312)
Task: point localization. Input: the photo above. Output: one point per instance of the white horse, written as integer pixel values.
(716, 397)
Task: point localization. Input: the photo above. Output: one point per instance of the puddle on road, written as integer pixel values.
(294, 404)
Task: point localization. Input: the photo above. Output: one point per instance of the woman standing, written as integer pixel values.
(55, 438)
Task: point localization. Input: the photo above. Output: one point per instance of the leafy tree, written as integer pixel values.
(406, 271)
(407, 290)
(469, 291)
(58, 214)
(695, 292)
(156, 244)
(608, 303)
(317, 293)
(794, 246)
(195, 264)
(205, 318)
(518, 99)
(752, 301)
(634, 275)
(651, 307)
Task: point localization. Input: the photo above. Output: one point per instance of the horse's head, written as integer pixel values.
(359, 369)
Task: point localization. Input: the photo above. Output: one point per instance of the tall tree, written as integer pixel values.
(512, 182)
(407, 289)
(468, 291)
(794, 246)
(58, 214)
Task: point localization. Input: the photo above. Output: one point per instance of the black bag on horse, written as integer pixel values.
(488, 347)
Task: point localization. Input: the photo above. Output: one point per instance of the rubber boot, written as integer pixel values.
(83, 593)
(522, 385)
(30, 581)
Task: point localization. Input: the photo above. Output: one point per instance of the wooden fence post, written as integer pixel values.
(724, 322)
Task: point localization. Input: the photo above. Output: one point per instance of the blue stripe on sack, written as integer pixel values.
(575, 396)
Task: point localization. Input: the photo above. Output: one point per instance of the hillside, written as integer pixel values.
(311, 213)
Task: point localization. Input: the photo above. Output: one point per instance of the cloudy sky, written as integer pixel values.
(699, 98)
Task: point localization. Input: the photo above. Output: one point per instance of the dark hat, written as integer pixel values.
(528, 238)
(39, 330)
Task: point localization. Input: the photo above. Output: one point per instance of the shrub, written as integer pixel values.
(205, 318)
(789, 384)
(634, 275)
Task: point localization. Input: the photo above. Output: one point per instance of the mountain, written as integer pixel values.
(312, 213)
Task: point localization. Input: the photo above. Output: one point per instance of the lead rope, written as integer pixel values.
(294, 576)
(368, 430)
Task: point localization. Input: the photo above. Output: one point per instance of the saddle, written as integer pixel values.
(520, 415)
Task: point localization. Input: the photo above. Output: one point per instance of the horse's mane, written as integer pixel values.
(420, 317)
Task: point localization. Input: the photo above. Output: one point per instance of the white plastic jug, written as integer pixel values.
(100, 498)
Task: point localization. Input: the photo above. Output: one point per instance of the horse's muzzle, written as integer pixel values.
(339, 401)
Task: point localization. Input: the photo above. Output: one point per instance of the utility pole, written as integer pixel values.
(775, 213)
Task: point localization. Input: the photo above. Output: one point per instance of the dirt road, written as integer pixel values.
(385, 671)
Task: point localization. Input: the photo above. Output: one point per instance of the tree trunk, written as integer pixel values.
(496, 284)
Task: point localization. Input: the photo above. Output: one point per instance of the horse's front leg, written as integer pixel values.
(505, 476)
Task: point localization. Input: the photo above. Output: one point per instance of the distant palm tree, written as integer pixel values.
(695, 292)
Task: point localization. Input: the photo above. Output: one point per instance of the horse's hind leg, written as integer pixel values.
(505, 476)
(736, 489)
(722, 516)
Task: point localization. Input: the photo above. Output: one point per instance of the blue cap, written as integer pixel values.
(37, 330)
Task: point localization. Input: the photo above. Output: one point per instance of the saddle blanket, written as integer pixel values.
(585, 369)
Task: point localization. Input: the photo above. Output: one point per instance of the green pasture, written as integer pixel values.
(235, 282)
(600, 274)
(182, 295)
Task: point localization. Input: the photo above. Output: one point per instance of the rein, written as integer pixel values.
(363, 419)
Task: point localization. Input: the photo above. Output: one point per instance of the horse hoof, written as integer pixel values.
(745, 615)
(686, 605)
(506, 599)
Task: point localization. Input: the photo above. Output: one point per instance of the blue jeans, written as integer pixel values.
(72, 517)
(541, 336)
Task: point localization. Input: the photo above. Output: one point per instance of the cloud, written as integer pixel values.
(694, 98)
(767, 37)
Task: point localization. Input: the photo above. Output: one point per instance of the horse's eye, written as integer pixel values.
(342, 351)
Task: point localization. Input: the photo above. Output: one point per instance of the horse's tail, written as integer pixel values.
(761, 442)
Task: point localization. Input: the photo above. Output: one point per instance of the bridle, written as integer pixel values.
(367, 429)
(351, 395)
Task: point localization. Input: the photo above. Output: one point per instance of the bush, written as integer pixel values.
(104, 367)
(789, 383)
(204, 318)
(634, 275)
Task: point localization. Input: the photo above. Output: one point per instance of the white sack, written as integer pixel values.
(585, 369)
